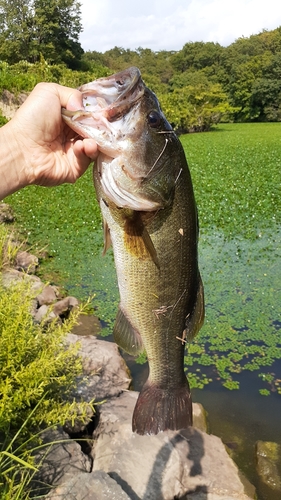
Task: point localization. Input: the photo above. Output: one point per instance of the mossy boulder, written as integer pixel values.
(268, 456)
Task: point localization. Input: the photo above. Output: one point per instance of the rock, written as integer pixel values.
(57, 460)
(27, 262)
(44, 314)
(199, 417)
(106, 373)
(87, 324)
(47, 296)
(9, 102)
(268, 456)
(11, 276)
(95, 486)
(63, 307)
(173, 464)
(59, 310)
(6, 213)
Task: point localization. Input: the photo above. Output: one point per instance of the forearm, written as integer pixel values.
(12, 162)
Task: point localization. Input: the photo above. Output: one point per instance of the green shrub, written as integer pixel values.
(38, 373)
(8, 247)
(23, 76)
(3, 119)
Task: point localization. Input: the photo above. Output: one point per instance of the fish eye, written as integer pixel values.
(154, 119)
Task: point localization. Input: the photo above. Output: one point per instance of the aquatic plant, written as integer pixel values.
(236, 177)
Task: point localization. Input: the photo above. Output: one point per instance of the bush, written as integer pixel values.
(38, 372)
(3, 119)
(196, 108)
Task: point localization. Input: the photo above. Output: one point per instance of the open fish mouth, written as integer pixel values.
(105, 100)
(119, 93)
(113, 115)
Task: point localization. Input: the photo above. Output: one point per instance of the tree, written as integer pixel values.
(195, 108)
(266, 97)
(30, 29)
(14, 29)
(197, 55)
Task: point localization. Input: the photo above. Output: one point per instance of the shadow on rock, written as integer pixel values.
(156, 481)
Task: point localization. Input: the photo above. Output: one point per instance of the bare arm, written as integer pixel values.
(37, 147)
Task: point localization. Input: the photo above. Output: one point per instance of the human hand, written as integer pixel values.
(52, 153)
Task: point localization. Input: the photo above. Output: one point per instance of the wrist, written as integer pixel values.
(12, 162)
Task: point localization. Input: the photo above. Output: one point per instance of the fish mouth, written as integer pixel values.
(105, 101)
(110, 107)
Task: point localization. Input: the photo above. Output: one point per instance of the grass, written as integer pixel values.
(236, 176)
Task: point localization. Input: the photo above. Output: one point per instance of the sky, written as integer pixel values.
(169, 24)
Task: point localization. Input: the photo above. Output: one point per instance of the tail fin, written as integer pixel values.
(160, 409)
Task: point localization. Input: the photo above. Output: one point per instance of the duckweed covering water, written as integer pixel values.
(236, 177)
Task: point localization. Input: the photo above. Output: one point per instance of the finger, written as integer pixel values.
(83, 161)
(90, 148)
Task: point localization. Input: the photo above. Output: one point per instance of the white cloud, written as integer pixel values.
(168, 25)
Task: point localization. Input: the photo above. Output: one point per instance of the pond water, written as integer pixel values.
(234, 364)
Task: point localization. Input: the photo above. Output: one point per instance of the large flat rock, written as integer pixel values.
(95, 486)
(173, 464)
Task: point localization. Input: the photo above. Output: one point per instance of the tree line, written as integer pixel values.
(200, 85)
(204, 83)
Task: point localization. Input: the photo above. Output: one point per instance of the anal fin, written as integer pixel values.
(106, 237)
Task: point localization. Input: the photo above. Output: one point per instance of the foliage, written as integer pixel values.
(196, 108)
(38, 372)
(199, 86)
(197, 55)
(31, 28)
(32, 363)
(23, 76)
(3, 119)
(8, 247)
(247, 74)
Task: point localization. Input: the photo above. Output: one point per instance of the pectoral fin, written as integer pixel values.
(195, 320)
(138, 240)
(150, 247)
(126, 336)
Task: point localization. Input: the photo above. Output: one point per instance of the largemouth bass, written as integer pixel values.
(146, 198)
